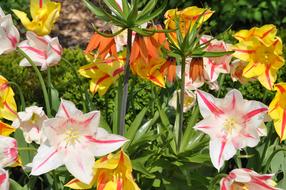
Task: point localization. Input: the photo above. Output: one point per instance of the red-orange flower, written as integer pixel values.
(102, 44)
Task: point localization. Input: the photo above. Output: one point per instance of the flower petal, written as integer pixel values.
(67, 109)
(79, 162)
(104, 142)
(46, 159)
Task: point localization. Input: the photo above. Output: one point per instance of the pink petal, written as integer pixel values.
(220, 150)
(68, 110)
(208, 104)
(46, 159)
(79, 162)
(103, 142)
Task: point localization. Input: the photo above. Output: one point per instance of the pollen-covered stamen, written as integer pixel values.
(71, 135)
(230, 124)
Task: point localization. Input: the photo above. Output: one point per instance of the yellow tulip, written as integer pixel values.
(266, 33)
(187, 18)
(8, 108)
(262, 50)
(277, 110)
(44, 14)
(103, 73)
(112, 172)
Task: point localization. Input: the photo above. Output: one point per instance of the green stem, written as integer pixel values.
(182, 97)
(38, 73)
(123, 105)
(84, 93)
(22, 99)
(27, 149)
(267, 165)
(221, 81)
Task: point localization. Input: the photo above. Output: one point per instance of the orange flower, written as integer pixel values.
(169, 69)
(102, 44)
(5, 129)
(147, 58)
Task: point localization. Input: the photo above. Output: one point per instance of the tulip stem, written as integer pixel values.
(40, 77)
(123, 103)
(22, 99)
(84, 93)
(182, 97)
(27, 149)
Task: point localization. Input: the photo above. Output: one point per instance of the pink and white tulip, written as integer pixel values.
(189, 100)
(232, 123)
(9, 35)
(240, 179)
(43, 50)
(215, 65)
(8, 151)
(73, 139)
(30, 122)
(4, 179)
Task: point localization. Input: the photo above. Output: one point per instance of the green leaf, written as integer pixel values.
(126, 8)
(97, 11)
(210, 54)
(135, 124)
(199, 158)
(26, 156)
(147, 9)
(133, 13)
(15, 186)
(114, 7)
(145, 127)
(164, 117)
(153, 15)
(142, 31)
(55, 99)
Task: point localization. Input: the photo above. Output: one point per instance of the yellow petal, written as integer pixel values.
(253, 70)
(23, 18)
(76, 184)
(268, 78)
(6, 129)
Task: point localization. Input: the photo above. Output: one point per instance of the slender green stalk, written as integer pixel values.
(42, 82)
(221, 81)
(84, 93)
(123, 105)
(22, 99)
(182, 97)
(27, 149)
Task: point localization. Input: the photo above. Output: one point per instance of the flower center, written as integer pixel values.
(230, 124)
(71, 136)
(239, 186)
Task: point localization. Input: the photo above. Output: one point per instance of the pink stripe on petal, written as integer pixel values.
(13, 40)
(94, 140)
(233, 102)
(3, 177)
(261, 183)
(87, 121)
(37, 51)
(221, 151)
(224, 187)
(4, 86)
(253, 113)
(65, 110)
(212, 71)
(46, 160)
(211, 106)
(41, 3)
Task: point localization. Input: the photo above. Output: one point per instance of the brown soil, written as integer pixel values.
(74, 27)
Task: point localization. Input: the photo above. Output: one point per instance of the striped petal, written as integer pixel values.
(104, 142)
